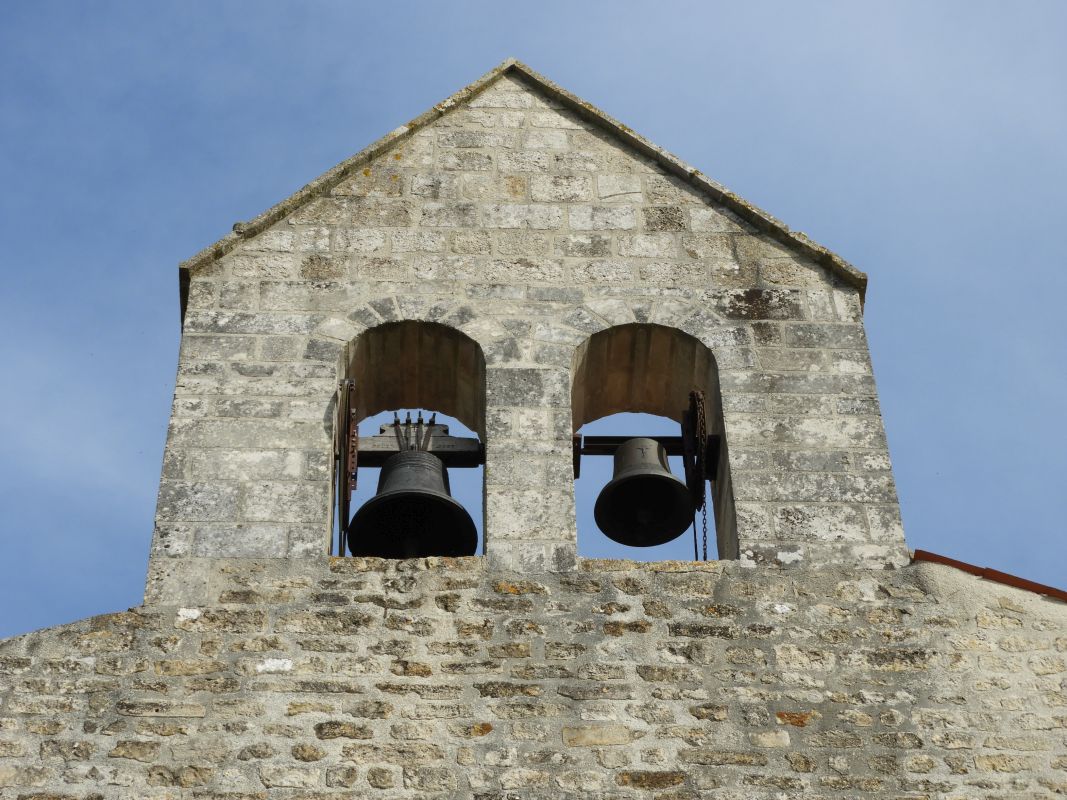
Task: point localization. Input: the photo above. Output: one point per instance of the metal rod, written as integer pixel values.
(607, 445)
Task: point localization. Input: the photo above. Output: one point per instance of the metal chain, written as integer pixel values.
(702, 444)
(702, 429)
(704, 512)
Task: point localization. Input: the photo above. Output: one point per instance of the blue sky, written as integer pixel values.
(924, 142)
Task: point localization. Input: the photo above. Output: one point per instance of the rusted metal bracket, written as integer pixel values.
(695, 444)
(352, 463)
(345, 453)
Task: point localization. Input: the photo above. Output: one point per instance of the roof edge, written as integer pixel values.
(753, 215)
(994, 575)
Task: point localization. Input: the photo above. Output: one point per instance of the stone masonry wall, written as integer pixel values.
(318, 679)
(527, 228)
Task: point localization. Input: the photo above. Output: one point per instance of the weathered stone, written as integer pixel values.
(665, 218)
(598, 735)
(720, 758)
(436, 779)
(649, 779)
(283, 776)
(381, 778)
(255, 751)
(181, 777)
(135, 750)
(505, 689)
(399, 754)
(308, 752)
(757, 304)
(66, 750)
(560, 188)
(619, 188)
(342, 730)
(716, 622)
(615, 628)
(537, 217)
(216, 619)
(598, 218)
(159, 708)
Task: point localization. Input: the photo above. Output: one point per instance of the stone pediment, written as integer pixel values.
(552, 97)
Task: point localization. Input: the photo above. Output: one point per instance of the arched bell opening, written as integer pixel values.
(650, 381)
(408, 450)
(414, 364)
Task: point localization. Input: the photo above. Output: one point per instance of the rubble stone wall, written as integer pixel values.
(347, 678)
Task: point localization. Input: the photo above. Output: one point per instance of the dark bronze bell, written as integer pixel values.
(413, 514)
(644, 504)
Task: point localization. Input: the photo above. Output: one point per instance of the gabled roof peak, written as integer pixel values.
(754, 216)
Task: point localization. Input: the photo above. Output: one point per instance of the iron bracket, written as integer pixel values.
(607, 445)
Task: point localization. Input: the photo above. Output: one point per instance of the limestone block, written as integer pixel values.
(604, 271)
(521, 270)
(418, 241)
(647, 245)
(619, 188)
(464, 161)
(449, 215)
(377, 213)
(664, 218)
(536, 216)
(283, 501)
(583, 245)
(521, 243)
(357, 240)
(598, 218)
(371, 183)
(190, 500)
(821, 521)
(561, 188)
(245, 322)
(254, 540)
(544, 139)
(525, 161)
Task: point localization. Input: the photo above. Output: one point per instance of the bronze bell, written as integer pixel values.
(644, 504)
(413, 514)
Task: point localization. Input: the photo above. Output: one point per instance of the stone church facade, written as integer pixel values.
(539, 266)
